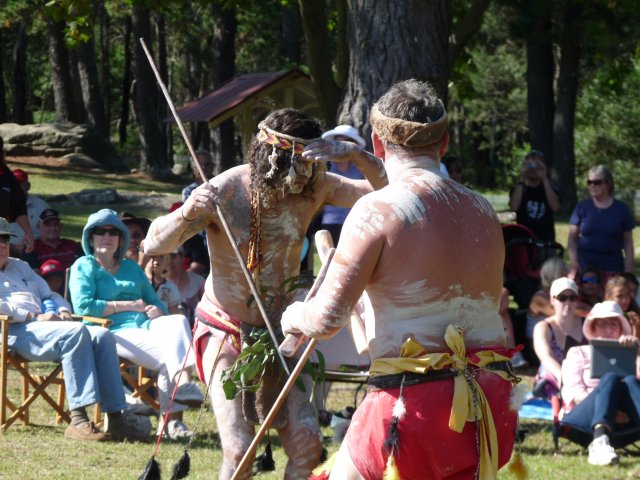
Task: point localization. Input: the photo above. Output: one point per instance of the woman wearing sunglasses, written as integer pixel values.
(104, 283)
(601, 229)
(555, 335)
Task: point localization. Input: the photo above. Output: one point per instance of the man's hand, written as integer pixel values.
(292, 317)
(330, 151)
(28, 242)
(47, 317)
(65, 316)
(201, 203)
(153, 312)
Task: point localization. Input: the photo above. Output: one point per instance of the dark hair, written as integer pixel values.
(631, 278)
(411, 100)
(290, 122)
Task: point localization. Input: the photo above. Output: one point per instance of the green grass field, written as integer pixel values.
(40, 450)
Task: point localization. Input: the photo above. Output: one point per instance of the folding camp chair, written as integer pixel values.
(12, 410)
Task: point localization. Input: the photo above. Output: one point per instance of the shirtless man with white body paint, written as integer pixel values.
(429, 253)
(268, 204)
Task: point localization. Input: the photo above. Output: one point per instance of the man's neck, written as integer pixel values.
(397, 165)
(53, 243)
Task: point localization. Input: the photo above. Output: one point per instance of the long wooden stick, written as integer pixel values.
(290, 381)
(223, 219)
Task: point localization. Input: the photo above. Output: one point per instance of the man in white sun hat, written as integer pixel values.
(606, 404)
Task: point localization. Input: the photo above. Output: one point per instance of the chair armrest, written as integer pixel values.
(103, 322)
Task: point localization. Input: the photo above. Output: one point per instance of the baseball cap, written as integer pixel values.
(21, 175)
(49, 213)
(561, 284)
(534, 153)
(345, 131)
(50, 267)
(4, 228)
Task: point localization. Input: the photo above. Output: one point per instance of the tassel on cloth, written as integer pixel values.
(391, 471)
(518, 468)
(151, 471)
(182, 466)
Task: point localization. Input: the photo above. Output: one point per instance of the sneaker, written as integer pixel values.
(601, 453)
(175, 430)
(86, 432)
(189, 394)
(518, 361)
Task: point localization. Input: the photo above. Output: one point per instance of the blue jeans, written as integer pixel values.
(613, 393)
(87, 354)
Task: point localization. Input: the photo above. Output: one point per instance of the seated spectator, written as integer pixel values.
(333, 217)
(540, 306)
(13, 204)
(195, 250)
(53, 274)
(35, 206)
(87, 353)
(555, 335)
(590, 291)
(138, 227)
(603, 405)
(454, 167)
(51, 246)
(189, 284)
(618, 290)
(633, 283)
(106, 284)
(166, 290)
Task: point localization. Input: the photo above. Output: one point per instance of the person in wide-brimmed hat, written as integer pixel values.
(594, 404)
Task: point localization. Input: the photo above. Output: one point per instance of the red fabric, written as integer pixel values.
(202, 331)
(427, 447)
(66, 252)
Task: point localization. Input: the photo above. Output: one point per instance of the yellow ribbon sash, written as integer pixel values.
(415, 359)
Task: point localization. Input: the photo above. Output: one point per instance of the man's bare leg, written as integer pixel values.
(301, 438)
(235, 434)
(343, 468)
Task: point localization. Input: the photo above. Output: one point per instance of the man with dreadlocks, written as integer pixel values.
(429, 253)
(268, 204)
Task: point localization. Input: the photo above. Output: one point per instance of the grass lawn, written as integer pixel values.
(41, 451)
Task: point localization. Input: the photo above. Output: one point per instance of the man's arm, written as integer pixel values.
(352, 266)
(552, 197)
(336, 151)
(515, 200)
(170, 231)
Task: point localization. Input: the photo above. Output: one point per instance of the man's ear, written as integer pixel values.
(444, 143)
(378, 146)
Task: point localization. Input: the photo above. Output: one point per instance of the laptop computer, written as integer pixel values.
(609, 356)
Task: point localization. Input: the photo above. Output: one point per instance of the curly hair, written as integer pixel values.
(290, 122)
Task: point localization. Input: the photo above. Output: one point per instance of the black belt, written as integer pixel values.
(386, 382)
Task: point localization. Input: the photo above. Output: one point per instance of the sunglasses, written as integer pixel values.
(567, 298)
(590, 280)
(604, 323)
(597, 182)
(5, 239)
(112, 232)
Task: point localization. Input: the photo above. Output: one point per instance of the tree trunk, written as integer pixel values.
(105, 58)
(91, 93)
(60, 76)
(126, 84)
(391, 41)
(21, 113)
(224, 59)
(467, 28)
(3, 101)
(291, 30)
(314, 20)
(163, 68)
(563, 170)
(147, 98)
(79, 112)
(540, 73)
(342, 45)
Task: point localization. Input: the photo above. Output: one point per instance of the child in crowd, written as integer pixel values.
(617, 289)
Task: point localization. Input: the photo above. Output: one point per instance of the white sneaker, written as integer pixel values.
(189, 394)
(175, 430)
(518, 361)
(601, 453)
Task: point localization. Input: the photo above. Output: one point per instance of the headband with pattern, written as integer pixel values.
(408, 133)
